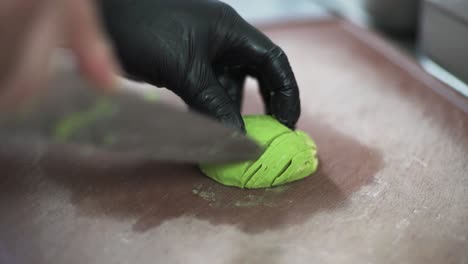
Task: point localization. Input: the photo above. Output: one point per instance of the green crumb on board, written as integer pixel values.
(109, 139)
(197, 188)
(65, 129)
(278, 189)
(218, 198)
(205, 195)
(209, 196)
(251, 201)
(151, 96)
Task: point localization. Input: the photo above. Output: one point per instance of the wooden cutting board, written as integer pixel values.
(391, 187)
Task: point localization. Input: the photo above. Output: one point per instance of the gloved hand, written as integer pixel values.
(202, 50)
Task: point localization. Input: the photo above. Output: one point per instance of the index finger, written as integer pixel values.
(87, 40)
(256, 51)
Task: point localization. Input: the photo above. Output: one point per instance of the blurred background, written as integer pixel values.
(435, 32)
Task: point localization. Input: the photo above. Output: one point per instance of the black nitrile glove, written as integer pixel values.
(202, 50)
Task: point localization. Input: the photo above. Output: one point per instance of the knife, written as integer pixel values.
(128, 122)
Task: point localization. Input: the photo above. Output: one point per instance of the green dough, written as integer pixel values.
(78, 120)
(289, 156)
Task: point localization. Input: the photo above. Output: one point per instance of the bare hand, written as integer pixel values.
(31, 30)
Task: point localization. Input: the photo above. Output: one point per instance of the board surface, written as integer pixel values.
(391, 186)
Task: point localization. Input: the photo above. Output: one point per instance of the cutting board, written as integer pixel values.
(391, 186)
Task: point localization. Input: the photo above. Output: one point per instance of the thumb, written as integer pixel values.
(207, 96)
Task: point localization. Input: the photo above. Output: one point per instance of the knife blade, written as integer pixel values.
(127, 123)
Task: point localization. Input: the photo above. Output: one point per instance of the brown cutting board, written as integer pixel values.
(391, 187)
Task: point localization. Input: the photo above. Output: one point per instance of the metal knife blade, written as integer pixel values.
(127, 123)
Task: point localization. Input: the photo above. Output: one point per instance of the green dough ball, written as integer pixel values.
(289, 156)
